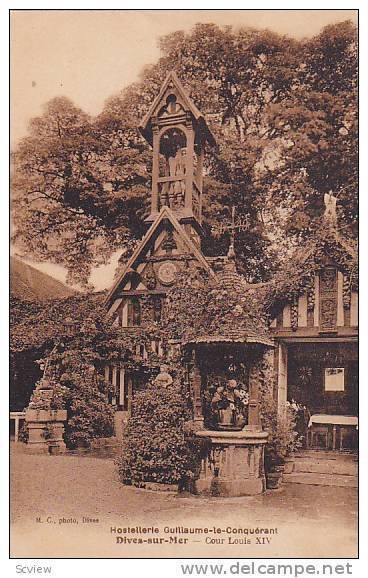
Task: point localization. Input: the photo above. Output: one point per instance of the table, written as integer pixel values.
(334, 420)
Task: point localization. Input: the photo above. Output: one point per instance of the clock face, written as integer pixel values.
(167, 272)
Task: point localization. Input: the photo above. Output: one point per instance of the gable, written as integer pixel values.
(164, 250)
(317, 291)
(172, 88)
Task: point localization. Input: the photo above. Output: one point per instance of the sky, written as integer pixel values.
(89, 55)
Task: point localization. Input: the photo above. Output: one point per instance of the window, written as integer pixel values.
(141, 350)
(157, 309)
(117, 386)
(134, 312)
(334, 379)
(157, 347)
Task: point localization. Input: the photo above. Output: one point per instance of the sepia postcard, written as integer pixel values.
(184, 285)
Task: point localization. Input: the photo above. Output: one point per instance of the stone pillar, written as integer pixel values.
(253, 408)
(189, 169)
(155, 169)
(282, 357)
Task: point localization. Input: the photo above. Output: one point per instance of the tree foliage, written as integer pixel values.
(285, 117)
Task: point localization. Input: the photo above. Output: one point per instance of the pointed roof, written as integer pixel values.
(165, 213)
(226, 309)
(172, 81)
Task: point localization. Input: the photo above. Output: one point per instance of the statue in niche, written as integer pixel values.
(330, 207)
(173, 107)
(174, 191)
(150, 277)
(174, 150)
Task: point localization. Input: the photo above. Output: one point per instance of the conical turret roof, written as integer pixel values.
(234, 312)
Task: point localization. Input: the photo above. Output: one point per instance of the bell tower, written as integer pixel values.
(178, 134)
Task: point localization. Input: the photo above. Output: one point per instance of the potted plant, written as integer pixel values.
(301, 416)
(274, 469)
(283, 440)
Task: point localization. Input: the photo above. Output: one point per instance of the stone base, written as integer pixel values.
(37, 448)
(38, 440)
(247, 487)
(235, 466)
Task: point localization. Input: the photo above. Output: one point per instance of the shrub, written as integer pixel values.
(156, 446)
(23, 435)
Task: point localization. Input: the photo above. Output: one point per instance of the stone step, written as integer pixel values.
(346, 468)
(326, 455)
(314, 479)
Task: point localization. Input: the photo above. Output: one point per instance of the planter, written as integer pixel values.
(82, 445)
(226, 418)
(274, 473)
(289, 465)
(158, 487)
(273, 480)
(229, 421)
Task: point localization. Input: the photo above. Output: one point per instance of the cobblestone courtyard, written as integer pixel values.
(311, 521)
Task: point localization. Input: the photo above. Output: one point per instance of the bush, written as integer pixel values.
(156, 447)
(89, 418)
(89, 413)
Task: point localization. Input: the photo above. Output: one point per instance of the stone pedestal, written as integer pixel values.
(45, 429)
(235, 466)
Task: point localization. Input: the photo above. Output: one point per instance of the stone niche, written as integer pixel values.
(234, 464)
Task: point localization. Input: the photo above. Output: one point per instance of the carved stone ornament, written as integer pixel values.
(294, 313)
(150, 277)
(169, 243)
(328, 277)
(163, 378)
(167, 273)
(328, 313)
(328, 298)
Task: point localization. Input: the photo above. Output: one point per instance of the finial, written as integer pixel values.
(231, 251)
(330, 215)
